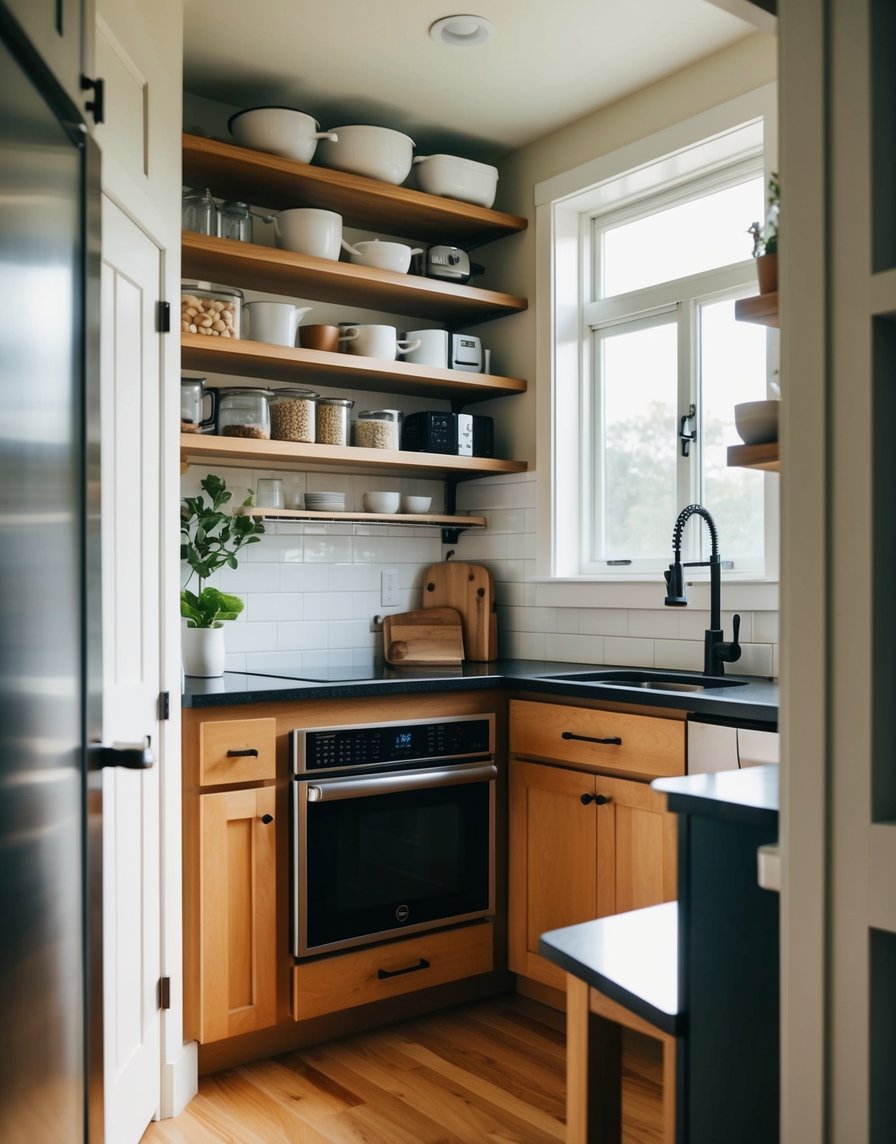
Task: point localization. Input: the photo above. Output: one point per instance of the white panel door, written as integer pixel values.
(131, 362)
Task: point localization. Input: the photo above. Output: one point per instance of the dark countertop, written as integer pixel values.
(754, 703)
(631, 958)
(749, 795)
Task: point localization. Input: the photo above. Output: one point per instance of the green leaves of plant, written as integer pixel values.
(211, 539)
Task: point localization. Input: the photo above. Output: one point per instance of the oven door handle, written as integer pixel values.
(365, 785)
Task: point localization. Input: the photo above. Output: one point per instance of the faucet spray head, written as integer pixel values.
(676, 597)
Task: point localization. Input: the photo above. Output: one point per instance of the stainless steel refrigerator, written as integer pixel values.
(50, 841)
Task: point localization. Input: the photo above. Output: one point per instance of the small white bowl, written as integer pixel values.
(757, 421)
(381, 502)
(415, 504)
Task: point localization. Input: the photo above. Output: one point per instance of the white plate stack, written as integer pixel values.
(325, 502)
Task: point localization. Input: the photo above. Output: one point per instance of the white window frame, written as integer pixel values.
(565, 206)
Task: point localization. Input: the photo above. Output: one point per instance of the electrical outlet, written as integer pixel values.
(389, 587)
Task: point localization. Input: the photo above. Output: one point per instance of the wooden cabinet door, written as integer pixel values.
(646, 834)
(561, 860)
(237, 913)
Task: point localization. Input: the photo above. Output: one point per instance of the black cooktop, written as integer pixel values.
(347, 673)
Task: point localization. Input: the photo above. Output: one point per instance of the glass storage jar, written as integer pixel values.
(332, 420)
(292, 415)
(235, 221)
(377, 428)
(211, 310)
(199, 211)
(245, 413)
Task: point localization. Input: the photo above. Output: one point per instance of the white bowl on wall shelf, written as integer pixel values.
(757, 421)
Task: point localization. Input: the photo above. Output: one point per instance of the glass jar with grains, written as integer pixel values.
(332, 420)
(292, 415)
(245, 413)
(377, 428)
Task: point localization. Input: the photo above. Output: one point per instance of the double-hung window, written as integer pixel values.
(646, 383)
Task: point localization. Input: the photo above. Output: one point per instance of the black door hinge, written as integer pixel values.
(164, 705)
(97, 105)
(164, 992)
(164, 318)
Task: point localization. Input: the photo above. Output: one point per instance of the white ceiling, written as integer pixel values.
(373, 61)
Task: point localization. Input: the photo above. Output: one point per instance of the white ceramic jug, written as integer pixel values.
(274, 322)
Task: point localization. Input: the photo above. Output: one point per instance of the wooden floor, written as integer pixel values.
(489, 1073)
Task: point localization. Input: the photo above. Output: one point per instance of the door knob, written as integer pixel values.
(132, 756)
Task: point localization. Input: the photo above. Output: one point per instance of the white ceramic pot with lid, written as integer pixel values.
(456, 178)
(378, 152)
(279, 130)
(395, 256)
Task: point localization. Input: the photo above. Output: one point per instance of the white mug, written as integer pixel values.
(376, 341)
(274, 322)
(432, 350)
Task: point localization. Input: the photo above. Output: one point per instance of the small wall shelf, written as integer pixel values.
(761, 309)
(755, 456)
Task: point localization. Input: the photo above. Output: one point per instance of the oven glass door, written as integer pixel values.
(392, 853)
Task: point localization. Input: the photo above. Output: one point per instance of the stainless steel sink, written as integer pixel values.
(650, 680)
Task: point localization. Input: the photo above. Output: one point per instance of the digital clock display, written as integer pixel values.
(403, 740)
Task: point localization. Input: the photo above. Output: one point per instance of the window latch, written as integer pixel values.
(688, 431)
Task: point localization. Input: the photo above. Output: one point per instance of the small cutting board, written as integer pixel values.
(470, 588)
(430, 635)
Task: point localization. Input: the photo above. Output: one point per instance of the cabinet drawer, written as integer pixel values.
(237, 751)
(650, 747)
(350, 979)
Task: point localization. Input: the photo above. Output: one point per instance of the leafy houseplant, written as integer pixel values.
(211, 537)
(765, 239)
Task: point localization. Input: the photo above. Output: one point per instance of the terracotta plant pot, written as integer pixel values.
(767, 271)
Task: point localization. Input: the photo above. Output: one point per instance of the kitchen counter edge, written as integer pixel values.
(755, 703)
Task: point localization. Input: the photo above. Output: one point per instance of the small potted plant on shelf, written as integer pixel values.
(211, 537)
(765, 239)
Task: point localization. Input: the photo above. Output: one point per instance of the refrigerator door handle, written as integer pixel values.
(133, 756)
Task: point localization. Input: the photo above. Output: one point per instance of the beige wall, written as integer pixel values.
(511, 263)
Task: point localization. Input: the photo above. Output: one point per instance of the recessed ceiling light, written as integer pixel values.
(462, 31)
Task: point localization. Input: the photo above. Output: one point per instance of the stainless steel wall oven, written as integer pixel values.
(393, 829)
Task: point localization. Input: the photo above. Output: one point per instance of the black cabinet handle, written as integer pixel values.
(613, 741)
(597, 799)
(383, 974)
(253, 751)
(266, 818)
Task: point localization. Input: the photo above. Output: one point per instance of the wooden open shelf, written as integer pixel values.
(306, 516)
(264, 268)
(256, 177)
(755, 456)
(245, 358)
(243, 452)
(761, 309)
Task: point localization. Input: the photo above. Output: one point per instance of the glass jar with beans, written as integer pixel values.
(210, 310)
(332, 420)
(377, 428)
(245, 413)
(293, 415)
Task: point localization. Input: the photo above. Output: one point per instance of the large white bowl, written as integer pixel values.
(279, 130)
(457, 178)
(757, 421)
(383, 255)
(381, 502)
(377, 152)
(308, 230)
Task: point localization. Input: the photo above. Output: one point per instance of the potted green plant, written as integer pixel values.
(765, 239)
(211, 536)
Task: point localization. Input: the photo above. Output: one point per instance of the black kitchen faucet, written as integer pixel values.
(716, 651)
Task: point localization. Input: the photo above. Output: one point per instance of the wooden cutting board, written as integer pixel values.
(430, 635)
(470, 589)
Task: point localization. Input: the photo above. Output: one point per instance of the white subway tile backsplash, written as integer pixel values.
(311, 590)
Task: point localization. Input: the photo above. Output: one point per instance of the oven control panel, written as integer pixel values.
(317, 749)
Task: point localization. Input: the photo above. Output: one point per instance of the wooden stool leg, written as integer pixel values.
(593, 1071)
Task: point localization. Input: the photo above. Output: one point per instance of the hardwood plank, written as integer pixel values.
(485, 1073)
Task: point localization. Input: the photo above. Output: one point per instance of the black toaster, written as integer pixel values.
(466, 434)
